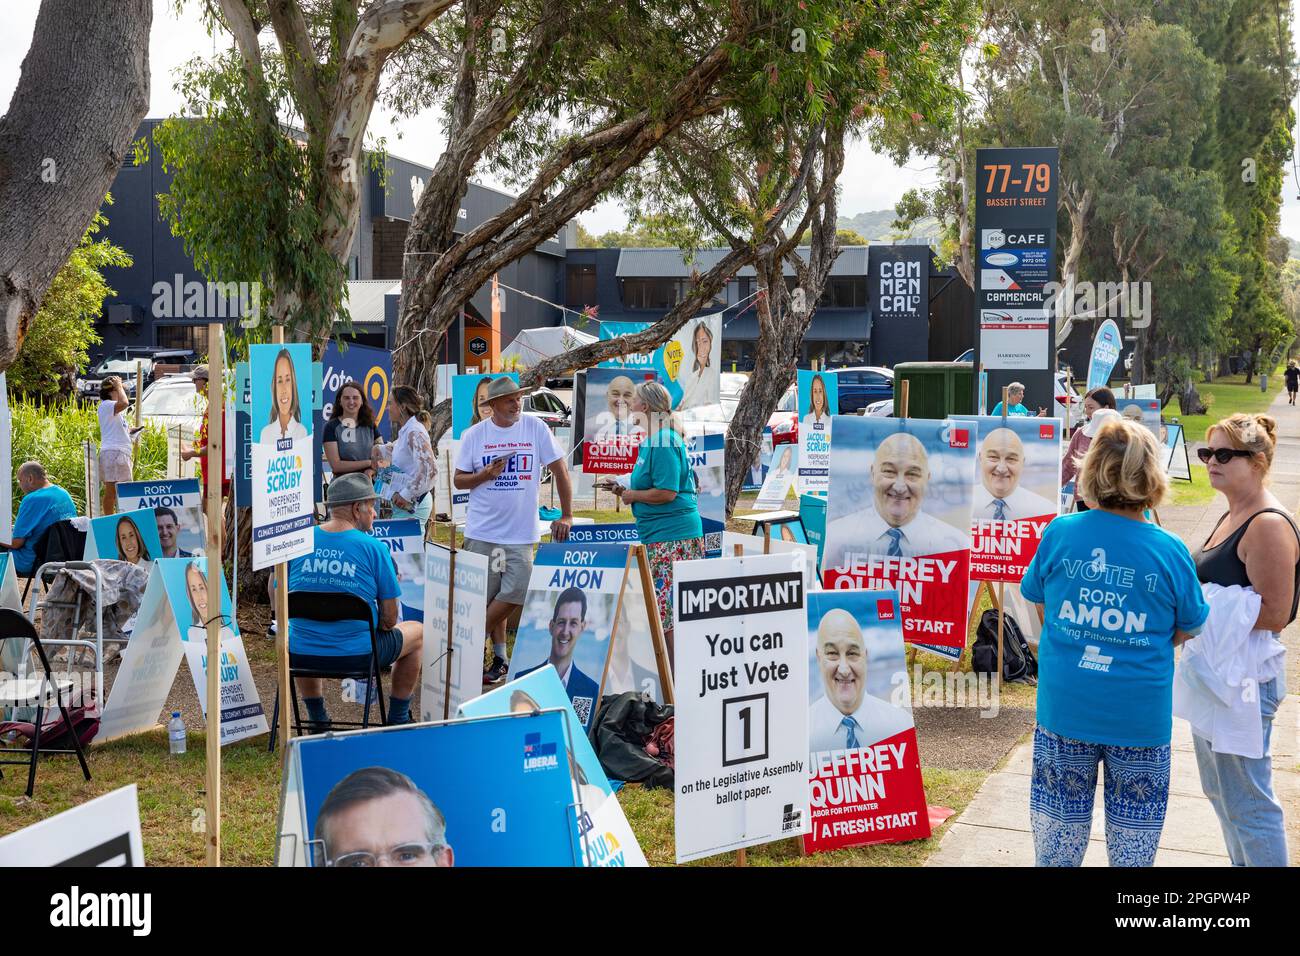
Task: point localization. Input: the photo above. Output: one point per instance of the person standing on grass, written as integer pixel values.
(662, 494)
(1292, 376)
(1255, 545)
(500, 464)
(115, 446)
(1116, 595)
(199, 449)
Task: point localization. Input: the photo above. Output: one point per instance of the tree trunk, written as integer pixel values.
(1189, 400)
(83, 91)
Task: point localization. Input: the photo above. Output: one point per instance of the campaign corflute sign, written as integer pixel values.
(898, 518)
(1016, 493)
(864, 772)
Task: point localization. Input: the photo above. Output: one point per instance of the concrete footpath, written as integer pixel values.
(994, 829)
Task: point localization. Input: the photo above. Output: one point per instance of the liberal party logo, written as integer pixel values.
(1094, 660)
(791, 817)
(538, 755)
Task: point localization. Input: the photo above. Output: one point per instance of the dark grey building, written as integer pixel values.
(162, 300)
(144, 313)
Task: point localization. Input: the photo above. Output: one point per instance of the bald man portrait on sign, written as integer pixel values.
(896, 525)
(1001, 496)
(847, 717)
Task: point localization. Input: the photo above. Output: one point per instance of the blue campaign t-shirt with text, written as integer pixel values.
(37, 511)
(1114, 592)
(349, 561)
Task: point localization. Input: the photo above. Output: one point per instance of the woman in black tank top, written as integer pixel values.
(1256, 544)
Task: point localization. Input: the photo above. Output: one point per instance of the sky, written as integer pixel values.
(869, 181)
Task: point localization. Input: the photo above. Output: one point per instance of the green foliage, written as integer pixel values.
(55, 435)
(56, 346)
(247, 197)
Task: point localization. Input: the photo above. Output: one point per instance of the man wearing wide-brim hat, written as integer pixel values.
(348, 558)
(500, 464)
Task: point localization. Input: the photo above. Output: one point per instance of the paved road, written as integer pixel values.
(994, 829)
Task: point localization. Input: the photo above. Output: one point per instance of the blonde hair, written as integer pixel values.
(1253, 433)
(658, 402)
(1124, 468)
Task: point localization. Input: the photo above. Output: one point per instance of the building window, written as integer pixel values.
(579, 286)
(663, 293)
(194, 337)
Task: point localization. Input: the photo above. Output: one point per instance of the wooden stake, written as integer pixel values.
(213, 473)
(903, 405)
(662, 663)
(451, 595)
(282, 624)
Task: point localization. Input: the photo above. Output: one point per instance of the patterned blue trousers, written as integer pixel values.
(1061, 795)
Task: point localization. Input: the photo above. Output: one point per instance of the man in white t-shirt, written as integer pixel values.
(500, 464)
(114, 440)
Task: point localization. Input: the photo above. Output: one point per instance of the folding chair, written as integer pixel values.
(331, 606)
(19, 690)
(45, 574)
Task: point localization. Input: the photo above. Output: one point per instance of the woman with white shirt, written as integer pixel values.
(286, 409)
(1255, 545)
(818, 405)
(411, 454)
(695, 376)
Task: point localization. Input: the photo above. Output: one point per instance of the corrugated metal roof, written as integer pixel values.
(669, 263)
(366, 299)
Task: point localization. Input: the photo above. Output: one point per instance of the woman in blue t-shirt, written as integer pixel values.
(661, 491)
(1116, 595)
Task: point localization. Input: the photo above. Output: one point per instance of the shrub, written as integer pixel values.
(54, 435)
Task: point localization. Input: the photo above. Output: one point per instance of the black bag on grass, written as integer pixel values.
(1018, 662)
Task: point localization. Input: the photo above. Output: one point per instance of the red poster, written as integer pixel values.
(932, 591)
(864, 771)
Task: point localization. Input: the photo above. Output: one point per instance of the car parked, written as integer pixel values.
(172, 401)
(861, 385)
(549, 407)
(154, 361)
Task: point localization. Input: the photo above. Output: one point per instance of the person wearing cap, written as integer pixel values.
(199, 449)
(500, 464)
(348, 559)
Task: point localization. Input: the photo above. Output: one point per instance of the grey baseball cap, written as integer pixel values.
(349, 489)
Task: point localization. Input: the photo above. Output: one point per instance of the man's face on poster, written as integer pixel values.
(618, 396)
(167, 535)
(899, 475)
(842, 657)
(567, 625)
(1002, 459)
(393, 829)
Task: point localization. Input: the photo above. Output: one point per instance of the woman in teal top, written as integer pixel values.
(661, 491)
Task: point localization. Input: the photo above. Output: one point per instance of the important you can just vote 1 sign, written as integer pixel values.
(742, 703)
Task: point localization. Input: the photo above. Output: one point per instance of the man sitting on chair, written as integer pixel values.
(44, 504)
(348, 559)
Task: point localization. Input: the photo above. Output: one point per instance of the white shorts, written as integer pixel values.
(114, 465)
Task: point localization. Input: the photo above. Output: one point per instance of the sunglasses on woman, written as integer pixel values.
(1221, 455)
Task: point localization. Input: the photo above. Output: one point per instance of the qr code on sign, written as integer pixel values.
(582, 707)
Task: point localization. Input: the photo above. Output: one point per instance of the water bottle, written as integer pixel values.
(176, 733)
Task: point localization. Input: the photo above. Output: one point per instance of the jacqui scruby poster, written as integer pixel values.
(898, 518)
